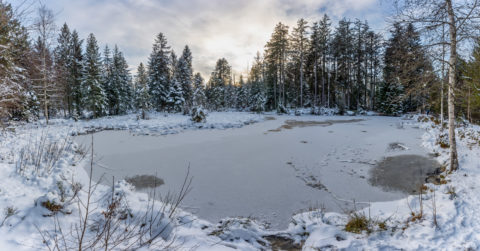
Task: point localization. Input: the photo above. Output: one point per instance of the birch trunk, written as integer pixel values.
(451, 86)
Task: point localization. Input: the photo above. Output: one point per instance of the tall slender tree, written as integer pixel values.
(95, 98)
(159, 72)
(142, 96)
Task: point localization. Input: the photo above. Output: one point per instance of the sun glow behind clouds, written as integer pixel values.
(213, 29)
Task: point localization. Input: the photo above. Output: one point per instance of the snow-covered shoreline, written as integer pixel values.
(458, 226)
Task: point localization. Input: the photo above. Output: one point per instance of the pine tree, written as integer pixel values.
(257, 98)
(220, 81)
(342, 52)
(185, 75)
(11, 89)
(175, 101)
(276, 64)
(142, 96)
(121, 82)
(158, 72)
(299, 44)
(76, 74)
(390, 97)
(95, 98)
(243, 92)
(471, 90)
(198, 96)
(62, 61)
(406, 64)
(108, 82)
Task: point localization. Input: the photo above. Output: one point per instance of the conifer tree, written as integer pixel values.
(142, 96)
(95, 98)
(76, 74)
(62, 56)
(185, 75)
(11, 89)
(220, 81)
(108, 83)
(159, 72)
(471, 90)
(257, 98)
(175, 101)
(121, 82)
(198, 94)
(243, 92)
(407, 65)
(299, 44)
(276, 64)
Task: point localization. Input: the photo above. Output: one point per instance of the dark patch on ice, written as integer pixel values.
(397, 146)
(270, 118)
(405, 173)
(145, 181)
(278, 242)
(304, 142)
(290, 124)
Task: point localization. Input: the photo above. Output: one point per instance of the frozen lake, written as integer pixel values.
(273, 169)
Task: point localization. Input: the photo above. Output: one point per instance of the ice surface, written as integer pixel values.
(269, 175)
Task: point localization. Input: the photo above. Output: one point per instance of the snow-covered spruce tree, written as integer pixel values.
(121, 81)
(142, 96)
(175, 101)
(243, 92)
(258, 95)
(11, 75)
(198, 95)
(258, 99)
(158, 73)
(95, 98)
(390, 98)
(75, 69)
(185, 76)
(217, 89)
(406, 64)
(472, 89)
(111, 91)
(62, 58)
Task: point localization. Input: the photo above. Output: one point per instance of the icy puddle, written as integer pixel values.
(273, 169)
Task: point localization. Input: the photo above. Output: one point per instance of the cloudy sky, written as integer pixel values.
(234, 29)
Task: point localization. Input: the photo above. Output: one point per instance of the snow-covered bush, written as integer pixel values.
(198, 115)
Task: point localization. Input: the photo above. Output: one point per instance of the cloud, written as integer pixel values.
(213, 29)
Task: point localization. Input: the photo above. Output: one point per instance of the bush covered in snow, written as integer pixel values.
(198, 115)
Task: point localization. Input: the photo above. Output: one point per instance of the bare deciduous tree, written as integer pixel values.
(45, 27)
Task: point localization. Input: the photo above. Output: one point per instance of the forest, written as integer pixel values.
(49, 73)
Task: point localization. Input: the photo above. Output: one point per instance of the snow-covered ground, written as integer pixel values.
(24, 189)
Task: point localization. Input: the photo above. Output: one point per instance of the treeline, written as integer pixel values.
(312, 65)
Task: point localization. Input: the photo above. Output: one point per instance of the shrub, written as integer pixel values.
(198, 115)
(358, 223)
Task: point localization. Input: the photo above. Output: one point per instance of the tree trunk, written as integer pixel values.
(45, 101)
(451, 86)
(315, 80)
(443, 76)
(301, 81)
(323, 78)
